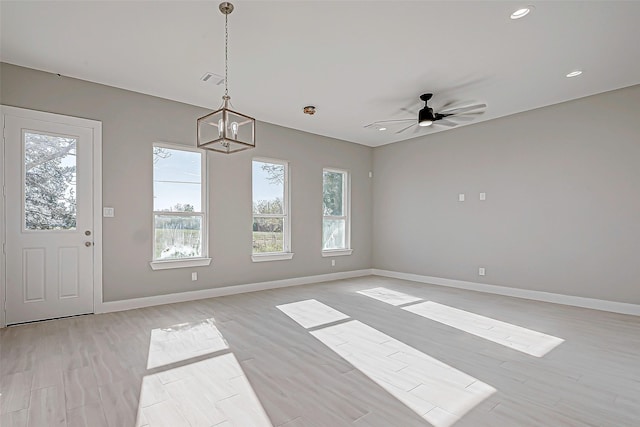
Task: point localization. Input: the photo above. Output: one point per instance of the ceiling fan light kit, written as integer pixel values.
(224, 130)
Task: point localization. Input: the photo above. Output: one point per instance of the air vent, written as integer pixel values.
(214, 78)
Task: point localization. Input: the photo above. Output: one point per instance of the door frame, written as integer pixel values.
(96, 129)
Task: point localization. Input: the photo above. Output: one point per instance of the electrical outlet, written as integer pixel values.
(481, 271)
(461, 197)
(333, 263)
(194, 276)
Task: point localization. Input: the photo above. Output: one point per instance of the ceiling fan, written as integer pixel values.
(449, 116)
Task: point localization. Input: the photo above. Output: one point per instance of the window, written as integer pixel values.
(179, 214)
(49, 181)
(270, 189)
(335, 211)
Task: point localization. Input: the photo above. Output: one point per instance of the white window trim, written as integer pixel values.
(180, 263)
(336, 252)
(272, 256)
(286, 254)
(157, 264)
(346, 204)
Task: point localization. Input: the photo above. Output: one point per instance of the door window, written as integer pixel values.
(49, 181)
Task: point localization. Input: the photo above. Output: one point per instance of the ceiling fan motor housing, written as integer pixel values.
(426, 115)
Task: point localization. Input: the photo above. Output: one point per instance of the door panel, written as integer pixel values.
(68, 269)
(49, 208)
(33, 272)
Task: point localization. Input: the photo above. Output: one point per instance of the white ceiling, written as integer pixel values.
(356, 61)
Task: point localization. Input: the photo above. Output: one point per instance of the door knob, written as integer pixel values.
(87, 244)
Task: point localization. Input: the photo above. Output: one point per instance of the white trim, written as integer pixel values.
(336, 252)
(96, 128)
(346, 210)
(592, 303)
(3, 300)
(286, 206)
(280, 256)
(204, 202)
(131, 304)
(97, 216)
(180, 263)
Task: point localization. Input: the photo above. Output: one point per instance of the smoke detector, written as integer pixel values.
(309, 109)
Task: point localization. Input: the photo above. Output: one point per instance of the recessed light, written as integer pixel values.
(522, 12)
(574, 73)
(381, 129)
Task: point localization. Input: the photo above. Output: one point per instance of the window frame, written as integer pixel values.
(204, 259)
(286, 253)
(346, 214)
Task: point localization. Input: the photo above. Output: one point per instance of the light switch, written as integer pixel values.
(108, 212)
(483, 196)
(461, 197)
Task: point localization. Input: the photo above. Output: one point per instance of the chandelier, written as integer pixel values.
(225, 130)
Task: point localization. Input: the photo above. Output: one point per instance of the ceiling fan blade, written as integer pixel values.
(382, 123)
(465, 116)
(459, 110)
(448, 104)
(403, 129)
(394, 121)
(470, 113)
(445, 122)
(462, 118)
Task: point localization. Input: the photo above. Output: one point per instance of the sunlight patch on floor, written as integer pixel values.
(389, 296)
(434, 390)
(311, 313)
(211, 392)
(184, 341)
(516, 337)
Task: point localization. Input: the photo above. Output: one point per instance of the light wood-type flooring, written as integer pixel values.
(368, 351)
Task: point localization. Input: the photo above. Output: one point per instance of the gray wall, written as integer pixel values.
(561, 215)
(562, 212)
(132, 122)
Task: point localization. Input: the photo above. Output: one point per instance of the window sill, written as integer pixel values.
(272, 257)
(180, 263)
(337, 252)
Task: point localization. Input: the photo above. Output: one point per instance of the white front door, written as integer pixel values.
(49, 218)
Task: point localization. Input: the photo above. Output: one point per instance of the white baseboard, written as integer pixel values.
(129, 304)
(596, 304)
